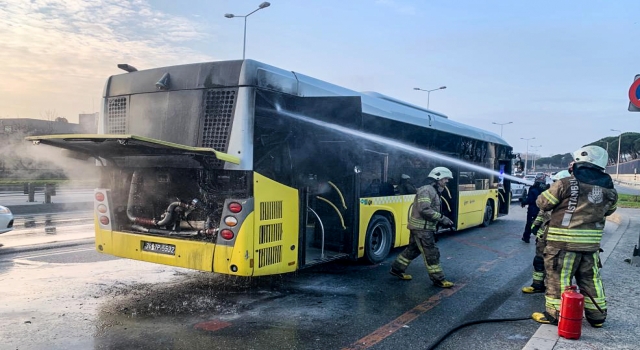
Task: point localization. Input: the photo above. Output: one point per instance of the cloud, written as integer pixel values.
(57, 54)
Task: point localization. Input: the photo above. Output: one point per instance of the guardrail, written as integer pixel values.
(626, 183)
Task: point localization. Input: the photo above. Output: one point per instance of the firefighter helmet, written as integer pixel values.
(560, 175)
(592, 154)
(440, 173)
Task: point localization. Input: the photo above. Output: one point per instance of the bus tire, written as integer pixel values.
(377, 242)
(488, 214)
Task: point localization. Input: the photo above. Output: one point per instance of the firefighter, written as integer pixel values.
(538, 229)
(535, 190)
(405, 186)
(579, 206)
(425, 215)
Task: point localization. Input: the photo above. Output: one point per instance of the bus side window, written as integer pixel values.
(466, 181)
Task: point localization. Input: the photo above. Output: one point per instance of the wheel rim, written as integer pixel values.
(378, 241)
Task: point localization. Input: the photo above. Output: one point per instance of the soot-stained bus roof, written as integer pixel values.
(253, 73)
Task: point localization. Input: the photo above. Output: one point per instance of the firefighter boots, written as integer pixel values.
(401, 275)
(533, 289)
(545, 318)
(443, 284)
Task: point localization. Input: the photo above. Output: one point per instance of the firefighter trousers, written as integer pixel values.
(561, 266)
(421, 242)
(531, 216)
(538, 264)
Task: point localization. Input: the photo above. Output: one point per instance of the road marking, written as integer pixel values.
(383, 332)
(29, 256)
(212, 325)
(390, 328)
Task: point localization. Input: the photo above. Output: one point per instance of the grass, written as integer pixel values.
(628, 201)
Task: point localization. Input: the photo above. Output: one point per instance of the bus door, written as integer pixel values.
(504, 188)
(323, 143)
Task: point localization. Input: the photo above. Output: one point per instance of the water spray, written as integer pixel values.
(399, 145)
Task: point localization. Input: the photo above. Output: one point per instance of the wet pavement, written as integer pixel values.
(72, 297)
(78, 299)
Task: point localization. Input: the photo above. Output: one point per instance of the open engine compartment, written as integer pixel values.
(177, 202)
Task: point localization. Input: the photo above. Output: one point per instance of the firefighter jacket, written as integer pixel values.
(579, 206)
(425, 211)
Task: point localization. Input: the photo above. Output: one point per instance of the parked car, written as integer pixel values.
(518, 191)
(6, 219)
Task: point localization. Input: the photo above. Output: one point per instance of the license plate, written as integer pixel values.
(160, 248)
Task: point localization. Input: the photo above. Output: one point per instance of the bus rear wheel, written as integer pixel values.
(488, 215)
(377, 243)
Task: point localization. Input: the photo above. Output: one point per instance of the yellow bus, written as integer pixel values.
(241, 168)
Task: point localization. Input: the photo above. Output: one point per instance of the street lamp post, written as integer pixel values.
(534, 155)
(501, 125)
(429, 92)
(231, 15)
(618, 159)
(526, 157)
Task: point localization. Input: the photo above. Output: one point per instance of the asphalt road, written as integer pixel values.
(76, 298)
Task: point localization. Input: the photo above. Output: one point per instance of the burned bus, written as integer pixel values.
(241, 168)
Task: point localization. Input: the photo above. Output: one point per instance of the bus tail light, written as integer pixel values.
(101, 207)
(235, 207)
(230, 221)
(226, 234)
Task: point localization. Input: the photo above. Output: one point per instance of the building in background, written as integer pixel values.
(26, 126)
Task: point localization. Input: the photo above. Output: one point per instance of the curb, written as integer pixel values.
(44, 246)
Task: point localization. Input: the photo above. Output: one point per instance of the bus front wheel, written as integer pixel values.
(488, 214)
(377, 243)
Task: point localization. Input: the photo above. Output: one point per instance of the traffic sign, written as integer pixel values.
(634, 95)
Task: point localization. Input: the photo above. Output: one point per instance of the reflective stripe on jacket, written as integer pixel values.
(425, 211)
(578, 213)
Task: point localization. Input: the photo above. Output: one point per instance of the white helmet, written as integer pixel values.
(592, 154)
(560, 175)
(440, 173)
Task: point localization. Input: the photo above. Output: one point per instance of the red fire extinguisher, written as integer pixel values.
(571, 309)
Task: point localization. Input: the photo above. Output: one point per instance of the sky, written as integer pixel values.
(559, 71)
